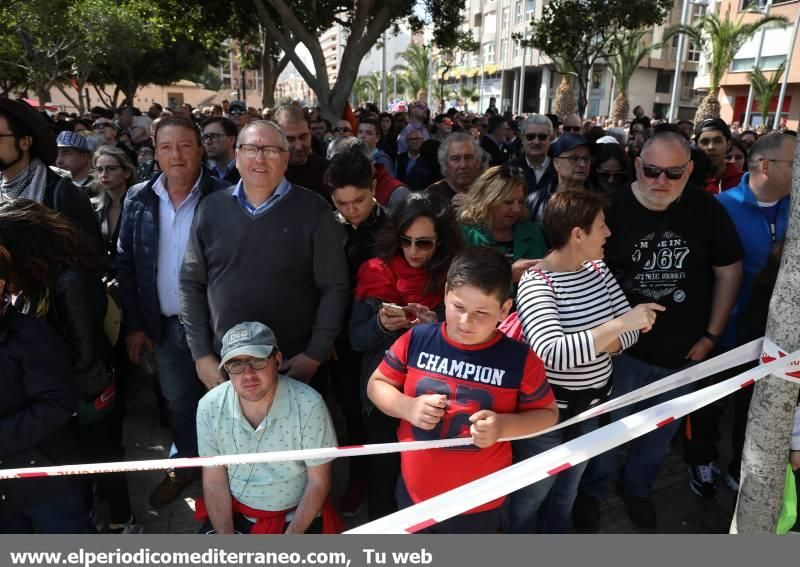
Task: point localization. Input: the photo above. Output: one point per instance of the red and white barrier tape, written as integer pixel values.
(770, 352)
(566, 455)
(725, 361)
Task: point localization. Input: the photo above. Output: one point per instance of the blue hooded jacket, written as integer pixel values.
(755, 234)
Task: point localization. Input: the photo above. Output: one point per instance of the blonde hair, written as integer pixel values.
(122, 159)
(494, 185)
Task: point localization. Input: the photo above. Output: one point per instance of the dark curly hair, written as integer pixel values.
(40, 242)
(448, 235)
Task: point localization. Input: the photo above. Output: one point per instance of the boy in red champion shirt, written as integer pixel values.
(460, 378)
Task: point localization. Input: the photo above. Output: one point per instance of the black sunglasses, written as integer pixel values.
(673, 173)
(422, 244)
(571, 129)
(342, 129)
(540, 137)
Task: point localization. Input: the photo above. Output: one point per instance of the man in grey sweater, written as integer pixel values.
(266, 251)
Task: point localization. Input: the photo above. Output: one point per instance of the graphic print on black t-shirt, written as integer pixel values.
(661, 273)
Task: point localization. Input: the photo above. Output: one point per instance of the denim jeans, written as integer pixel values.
(645, 453)
(181, 387)
(546, 506)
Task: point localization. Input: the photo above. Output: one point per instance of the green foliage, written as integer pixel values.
(416, 68)
(764, 88)
(209, 78)
(578, 33)
(629, 48)
(367, 88)
(720, 39)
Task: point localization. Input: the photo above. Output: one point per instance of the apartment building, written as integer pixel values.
(775, 49)
(492, 23)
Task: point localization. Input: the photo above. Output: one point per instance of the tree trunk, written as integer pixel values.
(564, 102)
(709, 107)
(769, 422)
(43, 94)
(620, 108)
(269, 79)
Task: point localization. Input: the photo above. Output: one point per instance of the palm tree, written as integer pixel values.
(719, 39)
(764, 89)
(417, 68)
(564, 101)
(468, 94)
(367, 88)
(629, 48)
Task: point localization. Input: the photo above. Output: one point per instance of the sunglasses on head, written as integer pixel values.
(673, 173)
(540, 137)
(422, 244)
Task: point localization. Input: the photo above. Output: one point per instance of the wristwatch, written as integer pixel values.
(712, 337)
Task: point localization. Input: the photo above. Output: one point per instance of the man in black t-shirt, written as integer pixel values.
(675, 245)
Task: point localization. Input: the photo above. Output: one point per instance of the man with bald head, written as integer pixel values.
(270, 251)
(673, 244)
(572, 124)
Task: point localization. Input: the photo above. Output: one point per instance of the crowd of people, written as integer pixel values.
(482, 276)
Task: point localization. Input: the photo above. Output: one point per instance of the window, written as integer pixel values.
(694, 53)
(517, 49)
(518, 12)
(765, 63)
(664, 81)
(698, 11)
(687, 87)
(488, 53)
(506, 18)
(503, 51)
(530, 8)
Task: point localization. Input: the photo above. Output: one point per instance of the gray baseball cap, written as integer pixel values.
(251, 338)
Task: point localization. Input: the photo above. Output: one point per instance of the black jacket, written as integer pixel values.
(498, 155)
(35, 407)
(137, 256)
(63, 196)
(531, 185)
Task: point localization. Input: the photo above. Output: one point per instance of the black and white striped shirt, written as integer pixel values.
(558, 310)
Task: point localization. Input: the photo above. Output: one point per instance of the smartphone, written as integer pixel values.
(393, 309)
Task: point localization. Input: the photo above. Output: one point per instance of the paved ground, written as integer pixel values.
(680, 511)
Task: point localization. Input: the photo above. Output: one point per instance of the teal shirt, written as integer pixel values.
(298, 419)
(528, 239)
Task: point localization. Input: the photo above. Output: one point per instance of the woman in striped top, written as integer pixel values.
(575, 316)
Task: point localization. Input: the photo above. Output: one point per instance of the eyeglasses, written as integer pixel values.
(511, 171)
(610, 174)
(540, 137)
(110, 169)
(575, 160)
(236, 112)
(342, 130)
(571, 129)
(213, 137)
(422, 244)
(673, 173)
(251, 151)
(776, 160)
(238, 366)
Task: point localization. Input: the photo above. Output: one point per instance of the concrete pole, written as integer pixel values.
(676, 80)
(383, 75)
(785, 82)
(521, 98)
(761, 34)
(480, 40)
(771, 415)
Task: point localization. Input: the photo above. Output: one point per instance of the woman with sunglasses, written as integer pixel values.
(115, 175)
(611, 167)
(52, 281)
(495, 215)
(575, 316)
(403, 286)
(108, 132)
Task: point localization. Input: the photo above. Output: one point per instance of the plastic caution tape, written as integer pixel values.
(563, 457)
(770, 352)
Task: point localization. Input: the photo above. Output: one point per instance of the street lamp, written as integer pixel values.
(676, 80)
